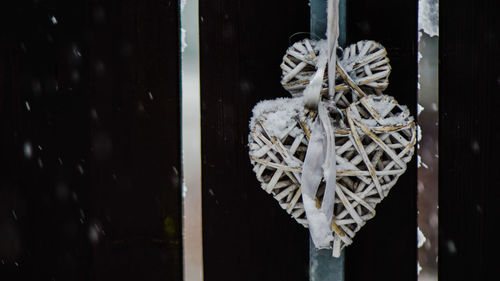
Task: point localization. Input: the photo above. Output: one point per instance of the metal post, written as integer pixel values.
(322, 266)
(319, 20)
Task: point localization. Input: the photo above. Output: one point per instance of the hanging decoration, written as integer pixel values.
(334, 150)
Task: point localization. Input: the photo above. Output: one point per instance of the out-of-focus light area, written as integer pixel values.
(428, 156)
(191, 142)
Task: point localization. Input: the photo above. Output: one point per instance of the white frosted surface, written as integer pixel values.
(428, 17)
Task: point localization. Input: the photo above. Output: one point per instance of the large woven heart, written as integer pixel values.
(373, 144)
(363, 66)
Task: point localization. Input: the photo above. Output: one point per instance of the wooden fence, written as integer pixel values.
(90, 152)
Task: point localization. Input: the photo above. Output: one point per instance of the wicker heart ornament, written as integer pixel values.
(371, 155)
(373, 137)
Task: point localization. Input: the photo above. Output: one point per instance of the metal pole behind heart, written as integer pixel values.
(322, 266)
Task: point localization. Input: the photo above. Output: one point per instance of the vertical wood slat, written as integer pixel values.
(246, 234)
(139, 83)
(469, 133)
(385, 249)
(110, 150)
(42, 117)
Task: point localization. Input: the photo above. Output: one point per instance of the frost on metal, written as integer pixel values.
(420, 238)
(420, 163)
(183, 40)
(428, 17)
(183, 4)
(420, 108)
(420, 242)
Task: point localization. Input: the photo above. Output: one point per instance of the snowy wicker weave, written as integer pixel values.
(374, 135)
(362, 66)
(372, 152)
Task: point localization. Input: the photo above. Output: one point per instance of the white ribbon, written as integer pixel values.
(320, 159)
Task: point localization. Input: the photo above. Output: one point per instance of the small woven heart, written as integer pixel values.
(362, 69)
(372, 151)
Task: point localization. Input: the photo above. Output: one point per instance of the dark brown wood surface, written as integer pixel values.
(247, 236)
(90, 163)
(469, 134)
(385, 249)
(92, 89)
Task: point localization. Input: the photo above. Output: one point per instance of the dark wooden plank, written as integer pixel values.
(44, 124)
(469, 99)
(246, 235)
(385, 249)
(134, 92)
(105, 202)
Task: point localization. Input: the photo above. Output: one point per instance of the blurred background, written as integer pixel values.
(429, 157)
(428, 145)
(191, 141)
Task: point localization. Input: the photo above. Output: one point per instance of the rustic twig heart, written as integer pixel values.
(331, 178)
(372, 152)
